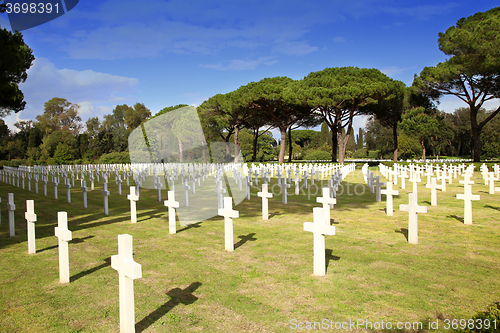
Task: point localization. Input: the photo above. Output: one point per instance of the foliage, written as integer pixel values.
(360, 153)
(275, 100)
(227, 111)
(409, 147)
(52, 141)
(472, 73)
(490, 138)
(64, 154)
(303, 137)
(317, 155)
(419, 125)
(491, 317)
(265, 146)
(15, 59)
(379, 137)
(339, 94)
(59, 115)
(115, 158)
(360, 139)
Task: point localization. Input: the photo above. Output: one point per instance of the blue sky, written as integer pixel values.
(164, 53)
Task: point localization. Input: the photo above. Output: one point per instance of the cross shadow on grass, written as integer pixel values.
(47, 248)
(177, 296)
(403, 231)
(461, 219)
(492, 207)
(79, 240)
(329, 256)
(245, 239)
(190, 226)
(273, 214)
(107, 262)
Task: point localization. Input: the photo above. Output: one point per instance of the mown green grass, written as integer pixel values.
(190, 283)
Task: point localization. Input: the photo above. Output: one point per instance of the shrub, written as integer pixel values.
(317, 155)
(491, 150)
(360, 153)
(374, 154)
(492, 315)
(114, 158)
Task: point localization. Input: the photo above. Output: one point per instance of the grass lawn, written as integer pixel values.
(191, 284)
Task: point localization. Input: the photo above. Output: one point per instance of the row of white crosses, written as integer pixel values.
(467, 197)
(123, 262)
(490, 177)
(413, 209)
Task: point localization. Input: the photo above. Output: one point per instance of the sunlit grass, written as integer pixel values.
(190, 283)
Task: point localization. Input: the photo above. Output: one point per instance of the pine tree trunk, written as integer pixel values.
(290, 148)
(334, 144)
(423, 150)
(236, 143)
(476, 138)
(254, 147)
(395, 139)
(281, 157)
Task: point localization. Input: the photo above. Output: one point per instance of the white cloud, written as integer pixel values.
(451, 103)
(238, 64)
(94, 91)
(424, 12)
(392, 70)
(294, 48)
(338, 39)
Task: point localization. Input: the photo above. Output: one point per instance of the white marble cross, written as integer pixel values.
(119, 181)
(11, 207)
(403, 176)
(377, 183)
(186, 187)
(55, 181)
(389, 192)
(248, 185)
(297, 181)
(284, 191)
(64, 235)
(36, 183)
(319, 230)
(228, 214)
(172, 205)
(490, 178)
(30, 217)
(68, 189)
(128, 271)
(265, 195)
(105, 194)
(328, 203)
(133, 197)
(84, 190)
(158, 185)
(467, 197)
(414, 179)
(370, 180)
(442, 177)
(433, 186)
(413, 208)
(220, 192)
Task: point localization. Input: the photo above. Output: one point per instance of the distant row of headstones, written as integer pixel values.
(321, 225)
(443, 173)
(123, 262)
